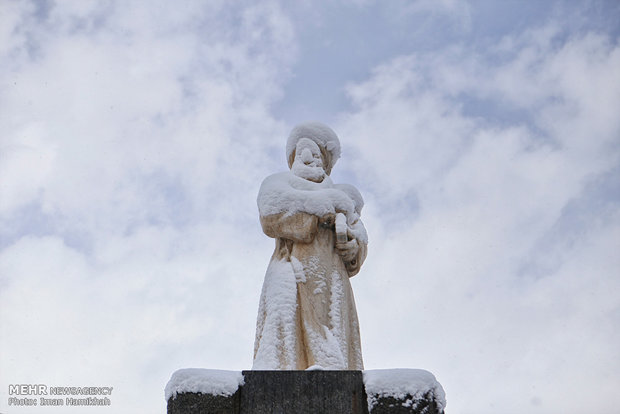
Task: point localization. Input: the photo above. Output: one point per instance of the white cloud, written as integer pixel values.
(133, 144)
(128, 99)
(134, 140)
(466, 285)
(25, 164)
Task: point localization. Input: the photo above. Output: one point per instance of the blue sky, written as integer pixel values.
(484, 137)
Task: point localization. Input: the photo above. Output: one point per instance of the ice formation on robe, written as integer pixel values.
(307, 313)
(205, 381)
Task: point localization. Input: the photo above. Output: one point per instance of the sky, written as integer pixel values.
(483, 135)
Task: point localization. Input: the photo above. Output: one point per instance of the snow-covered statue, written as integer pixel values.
(307, 315)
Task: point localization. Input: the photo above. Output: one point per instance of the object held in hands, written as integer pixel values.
(341, 228)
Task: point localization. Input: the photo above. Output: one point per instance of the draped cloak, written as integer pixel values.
(307, 314)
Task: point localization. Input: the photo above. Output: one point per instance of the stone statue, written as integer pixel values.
(307, 315)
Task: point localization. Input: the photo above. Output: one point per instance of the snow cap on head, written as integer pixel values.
(322, 135)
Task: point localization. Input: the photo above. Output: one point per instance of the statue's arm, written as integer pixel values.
(353, 251)
(299, 227)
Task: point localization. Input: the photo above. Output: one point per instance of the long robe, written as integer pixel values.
(307, 314)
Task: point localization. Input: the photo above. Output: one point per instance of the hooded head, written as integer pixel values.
(322, 135)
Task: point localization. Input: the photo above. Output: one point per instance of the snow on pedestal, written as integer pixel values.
(406, 387)
(203, 381)
(393, 391)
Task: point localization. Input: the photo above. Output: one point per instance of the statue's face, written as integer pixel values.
(308, 161)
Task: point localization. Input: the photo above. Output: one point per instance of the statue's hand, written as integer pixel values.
(348, 250)
(327, 220)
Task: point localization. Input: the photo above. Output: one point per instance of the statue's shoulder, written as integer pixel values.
(279, 176)
(353, 193)
(277, 180)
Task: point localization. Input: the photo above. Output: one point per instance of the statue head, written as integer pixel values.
(323, 136)
(308, 161)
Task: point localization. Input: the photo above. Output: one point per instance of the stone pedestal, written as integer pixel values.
(406, 405)
(198, 403)
(326, 392)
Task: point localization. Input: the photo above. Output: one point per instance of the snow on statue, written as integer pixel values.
(307, 315)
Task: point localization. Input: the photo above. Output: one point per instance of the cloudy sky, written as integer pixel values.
(484, 136)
